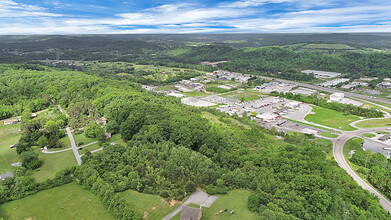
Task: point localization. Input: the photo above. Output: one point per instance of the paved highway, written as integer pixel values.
(324, 89)
(339, 157)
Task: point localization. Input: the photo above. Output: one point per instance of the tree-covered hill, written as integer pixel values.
(172, 149)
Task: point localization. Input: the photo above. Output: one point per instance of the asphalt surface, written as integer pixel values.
(339, 157)
(73, 145)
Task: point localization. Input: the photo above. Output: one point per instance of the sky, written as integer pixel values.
(213, 16)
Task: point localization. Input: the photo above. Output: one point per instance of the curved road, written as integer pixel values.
(339, 157)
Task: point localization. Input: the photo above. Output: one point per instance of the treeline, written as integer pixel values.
(378, 169)
(322, 102)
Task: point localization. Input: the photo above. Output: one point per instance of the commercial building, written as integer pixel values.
(322, 74)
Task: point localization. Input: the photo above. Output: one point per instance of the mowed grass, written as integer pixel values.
(331, 118)
(328, 134)
(53, 162)
(329, 46)
(247, 95)
(352, 144)
(8, 135)
(369, 135)
(82, 138)
(234, 200)
(69, 201)
(153, 206)
(374, 123)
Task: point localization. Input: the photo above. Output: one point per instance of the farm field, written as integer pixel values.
(152, 206)
(374, 123)
(234, 200)
(331, 118)
(69, 201)
(8, 135)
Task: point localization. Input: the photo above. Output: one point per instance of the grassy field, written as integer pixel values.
(374, 123)
(369, 135)
(65, 202)
(8, 135)
(247, 95)
(331, 118)
(329, 46)
(82, 138)
(66, 144)
(153, 206)
(53, 162)
(234, 200)
(328, 134)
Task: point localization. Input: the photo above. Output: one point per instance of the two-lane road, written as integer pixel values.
(339, 157)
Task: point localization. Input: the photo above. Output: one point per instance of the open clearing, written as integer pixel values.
(53, 162)
(155, 206)
(234, 200)
(8, 135)
(329, 46)
(70, 201)
(246, 95)
(331, 118)
(374, 123)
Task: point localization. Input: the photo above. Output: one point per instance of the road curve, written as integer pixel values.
(339, 157)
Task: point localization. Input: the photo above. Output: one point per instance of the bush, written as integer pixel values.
(30, 160)
(164, 194)
(217, 190)
(190, 187)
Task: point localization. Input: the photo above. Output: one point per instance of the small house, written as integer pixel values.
(108, 136)
(102, 120)
(190, 213)
(6, 175)
(11, 121)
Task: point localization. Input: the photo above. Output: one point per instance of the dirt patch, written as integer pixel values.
(173, 202)
(145, 216)
(153, 208)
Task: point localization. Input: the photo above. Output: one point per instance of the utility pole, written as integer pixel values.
(366, 162)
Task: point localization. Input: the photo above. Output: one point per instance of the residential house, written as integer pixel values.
(190, 213)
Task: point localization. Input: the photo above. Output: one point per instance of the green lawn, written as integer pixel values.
(247, 95)
(153, 206)
(8, 135)
(70, 201)
(328, 134)
(329, 46)
(82, 138)
(374, 123)
(369, 135)
(234, 200)
(89, 148)
(53, 162)
(352, 144)
(331, 118)
(66, 144)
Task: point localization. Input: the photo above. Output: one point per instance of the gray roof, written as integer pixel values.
(17, 164)
(5, 175)
(189, 213)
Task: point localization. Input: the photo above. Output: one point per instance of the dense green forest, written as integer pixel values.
(259, 54)
(171, 149)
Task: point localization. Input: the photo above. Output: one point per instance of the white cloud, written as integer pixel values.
(11, 9)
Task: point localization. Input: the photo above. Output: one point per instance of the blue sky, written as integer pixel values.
(165, 16)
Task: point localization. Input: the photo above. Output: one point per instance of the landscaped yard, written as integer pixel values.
(374, 123)
(81, 138)
(153, 206)
(8, 135)
(70, 201)
(234, 200)
(369, 135)
(53, 162)
(328, 134)
(331, 118)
